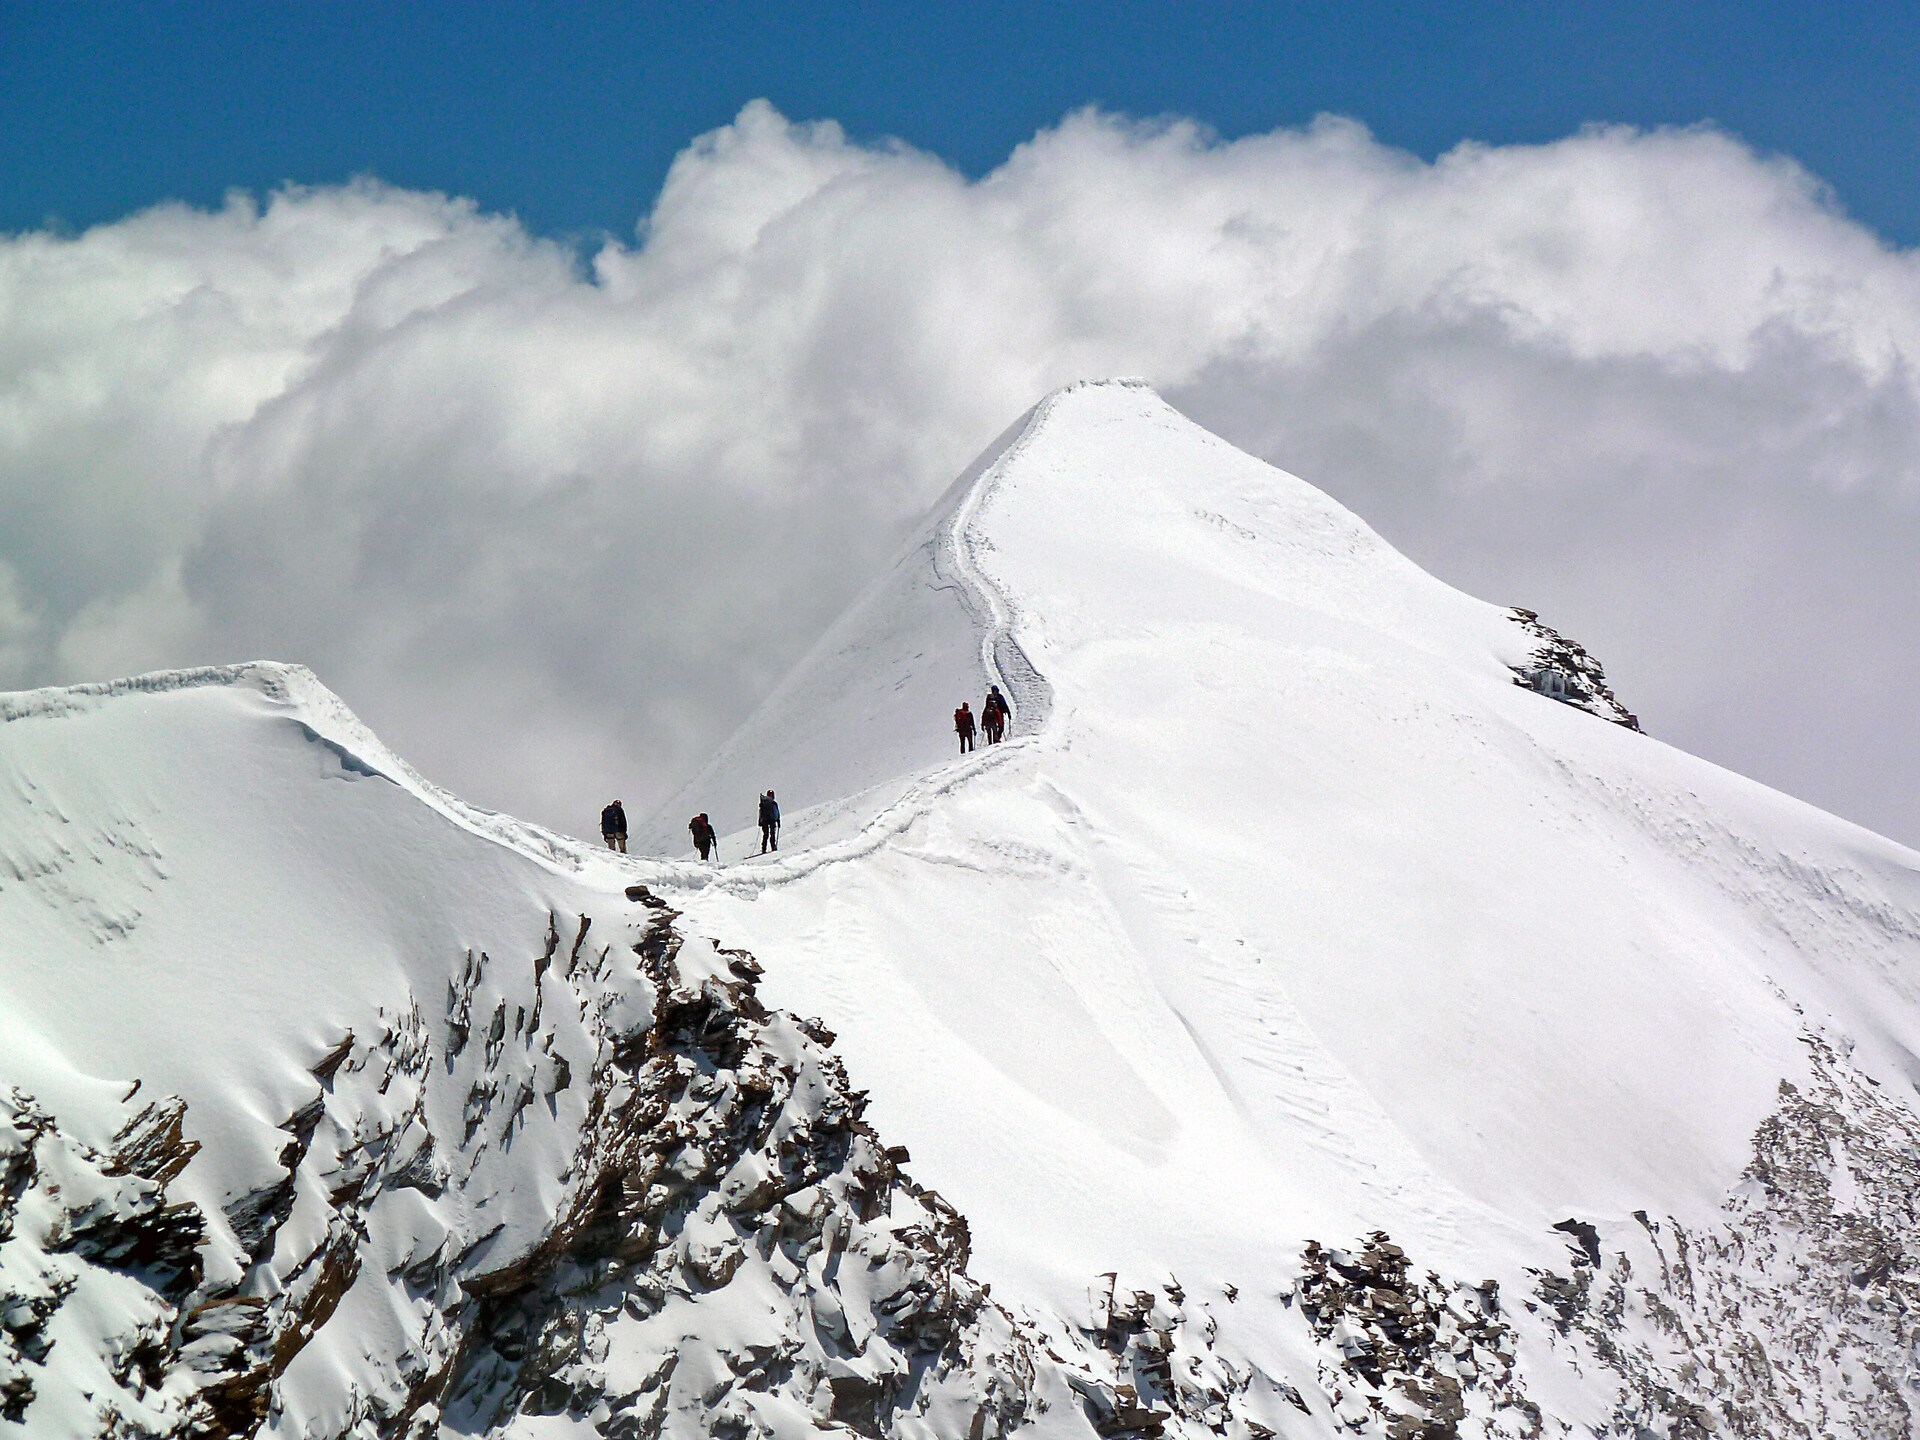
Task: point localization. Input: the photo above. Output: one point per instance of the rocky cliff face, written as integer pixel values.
(1796, 1314)
(734, 1251)
(722, 1152)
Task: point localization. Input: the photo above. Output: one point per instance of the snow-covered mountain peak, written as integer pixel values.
(1285, 910)
(1299, 1027)
(1132, 515)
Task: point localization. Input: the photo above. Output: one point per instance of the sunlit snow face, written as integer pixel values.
(548, 523)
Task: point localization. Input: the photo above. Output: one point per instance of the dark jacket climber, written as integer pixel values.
(963, 726)
(613, 827)
(769, 823)
(704, 840)
(993, 715)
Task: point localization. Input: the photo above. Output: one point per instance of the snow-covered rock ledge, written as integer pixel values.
(730, 1248)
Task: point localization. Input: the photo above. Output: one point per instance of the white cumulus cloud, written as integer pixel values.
(552, 520)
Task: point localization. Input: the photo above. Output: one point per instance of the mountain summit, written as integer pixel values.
(1324, 1014)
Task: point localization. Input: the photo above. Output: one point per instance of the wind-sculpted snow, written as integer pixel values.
(1299, 1029)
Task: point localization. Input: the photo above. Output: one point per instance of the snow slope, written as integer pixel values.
(330, 1106)
(1307, 1030)
(845, 735)
(1297, 916)
(211, 879)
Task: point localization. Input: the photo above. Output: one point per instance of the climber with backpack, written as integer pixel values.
(993, 715)
(613, 827)
(769, 823)
(704, 840)
(963, 726)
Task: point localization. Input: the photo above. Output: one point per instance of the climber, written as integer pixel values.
(993, 715)
(769, 823)
(613, 827)
(704, 840)
(963, 726)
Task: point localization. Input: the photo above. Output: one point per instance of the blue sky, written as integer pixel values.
(569, 114)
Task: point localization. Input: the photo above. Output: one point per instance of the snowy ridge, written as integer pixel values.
(540, 1170)
(891, 809)
(55, 701)
(1299, 918)
(848, 809)
(297, 691)
(1299, 1030)
(462, 1141)
(1003, 659)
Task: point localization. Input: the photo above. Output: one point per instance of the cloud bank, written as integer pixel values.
(553, 518)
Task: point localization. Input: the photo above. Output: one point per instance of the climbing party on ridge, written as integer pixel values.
(991, 722)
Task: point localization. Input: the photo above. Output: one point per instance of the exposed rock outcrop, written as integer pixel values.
(1796, 1315)
(734, 1251)
(1412, 1356)
(1564, 670)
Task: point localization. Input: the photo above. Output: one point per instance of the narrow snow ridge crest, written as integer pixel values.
(294, 693)
(271, 678)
